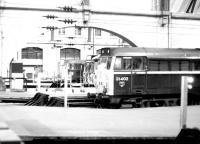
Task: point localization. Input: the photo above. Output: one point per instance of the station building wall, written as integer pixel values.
(141, 22)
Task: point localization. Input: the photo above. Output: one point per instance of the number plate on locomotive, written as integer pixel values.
(121, 78)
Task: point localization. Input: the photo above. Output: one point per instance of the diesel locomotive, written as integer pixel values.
(144, 77)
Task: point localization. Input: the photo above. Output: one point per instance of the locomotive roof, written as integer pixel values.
(157, 53)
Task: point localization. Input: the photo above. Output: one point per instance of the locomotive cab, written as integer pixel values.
(116, 75)
(115, 72)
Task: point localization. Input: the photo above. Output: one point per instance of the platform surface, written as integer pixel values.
(35, 121)
(7, 135)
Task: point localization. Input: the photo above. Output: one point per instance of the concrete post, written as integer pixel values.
(66, 86)
(184, 98)
(38, 82)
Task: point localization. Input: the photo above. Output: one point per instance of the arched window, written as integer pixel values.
(69, 53)
(32, 53)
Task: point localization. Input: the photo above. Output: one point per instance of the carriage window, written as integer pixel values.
(137, 63)
(194, 65)
(197, 65)
(154, 65)
(184, 65)
(191, 65)
(175, 65)
(164, 65)
(118, 63)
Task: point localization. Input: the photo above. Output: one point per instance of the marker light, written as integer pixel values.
(190, 79)
(189, 86)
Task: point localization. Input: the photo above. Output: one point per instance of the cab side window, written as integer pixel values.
(118, 63)
(127, 64)
(137, 63)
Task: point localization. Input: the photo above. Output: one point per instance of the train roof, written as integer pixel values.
(156, 53)
(71, 61)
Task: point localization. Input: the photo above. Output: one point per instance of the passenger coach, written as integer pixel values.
(146, 76)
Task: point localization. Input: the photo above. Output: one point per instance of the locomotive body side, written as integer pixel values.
(150, 82)
(145, 77)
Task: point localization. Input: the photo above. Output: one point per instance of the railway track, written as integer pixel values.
(14, 100)
(41, 99)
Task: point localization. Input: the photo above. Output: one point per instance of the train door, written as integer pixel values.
(138, 84)
(138, 76)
